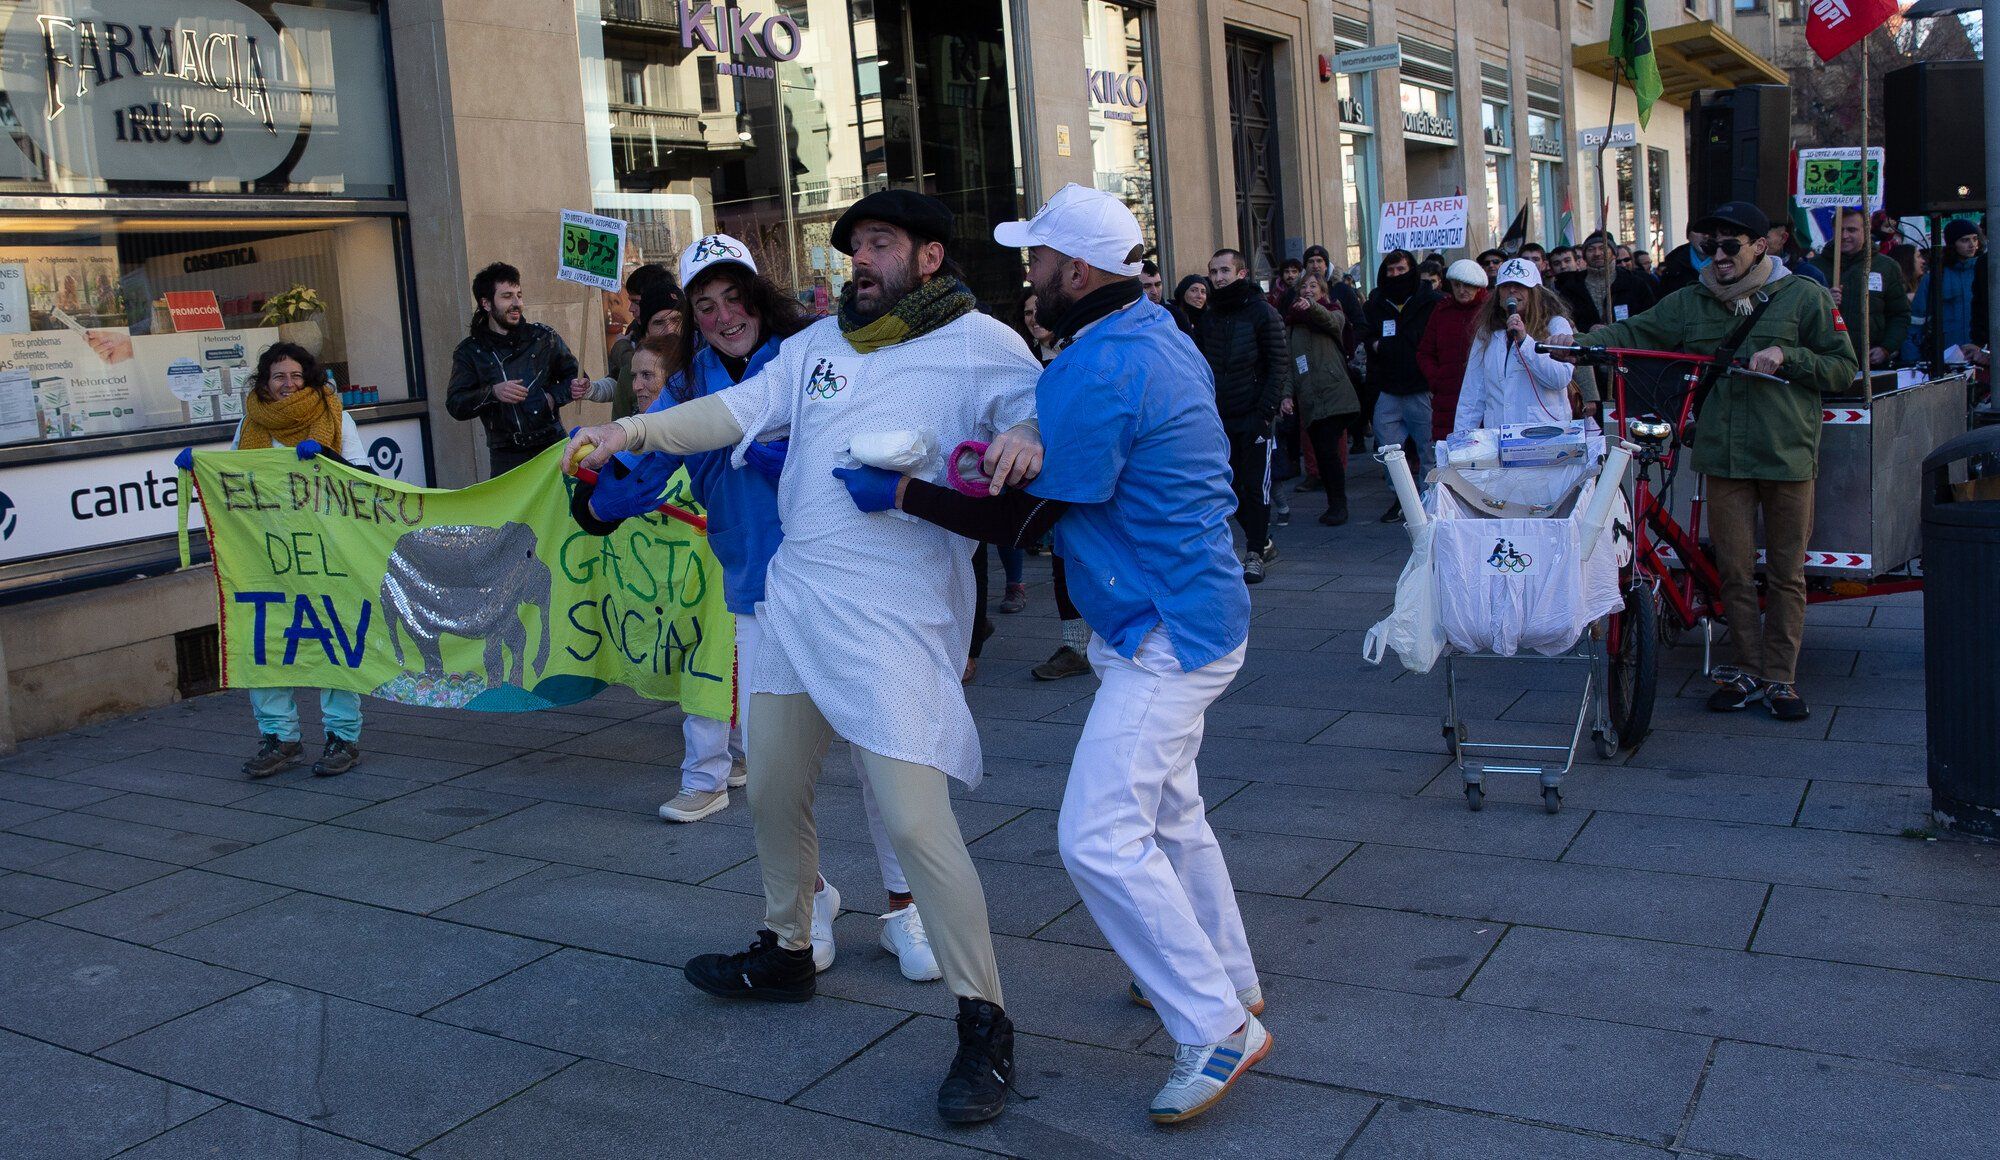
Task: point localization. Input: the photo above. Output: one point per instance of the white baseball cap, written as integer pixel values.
(1467, 271)
(1082, 223)
(1518, 270)
(713, 250)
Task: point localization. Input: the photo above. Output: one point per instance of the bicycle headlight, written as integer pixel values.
(1649, 429)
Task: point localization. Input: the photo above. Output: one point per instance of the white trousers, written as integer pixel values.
(711, 745)
(1134, 834)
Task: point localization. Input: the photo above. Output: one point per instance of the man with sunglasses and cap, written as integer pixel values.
(1139, 499)
(1757, 441)
(868, 613)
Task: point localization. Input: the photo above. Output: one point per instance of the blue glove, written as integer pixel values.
(185, 460)
(308, 448)
(768, 458)
(873, 489)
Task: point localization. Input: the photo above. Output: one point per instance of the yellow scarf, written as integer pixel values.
(311, 412)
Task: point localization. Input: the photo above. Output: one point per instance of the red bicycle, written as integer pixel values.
(1671, 583)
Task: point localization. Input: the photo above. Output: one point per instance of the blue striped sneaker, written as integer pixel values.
(1252, 997)
(1203, 1073)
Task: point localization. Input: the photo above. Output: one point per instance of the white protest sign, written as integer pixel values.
(593, 249)
(1831, 178)
(1433, 223)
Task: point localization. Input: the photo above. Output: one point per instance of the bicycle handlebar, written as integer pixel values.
(1609, 355)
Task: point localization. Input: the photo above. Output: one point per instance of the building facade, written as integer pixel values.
(175, 172)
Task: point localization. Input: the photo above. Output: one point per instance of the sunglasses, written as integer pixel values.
(1730, 247)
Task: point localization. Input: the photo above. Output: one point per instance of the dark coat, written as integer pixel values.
(1629, 289)
(1392, 360)
(1677, 271)
(1247, 349)
(535, 356)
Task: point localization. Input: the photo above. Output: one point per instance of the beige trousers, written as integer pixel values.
(1769, 652)
(787, 741)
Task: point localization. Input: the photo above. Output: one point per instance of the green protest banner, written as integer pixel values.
(593, 249)
(489, 597)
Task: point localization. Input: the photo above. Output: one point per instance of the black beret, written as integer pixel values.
(926, 218)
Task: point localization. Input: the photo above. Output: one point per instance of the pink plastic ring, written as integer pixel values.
(976, 483)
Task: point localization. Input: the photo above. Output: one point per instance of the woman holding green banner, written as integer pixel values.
(290, 407)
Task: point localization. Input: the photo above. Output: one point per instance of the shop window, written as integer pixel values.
(1500, 207)
(1120, 101)
(1656, 199)
(291, 103)
(1628, 195)
(1357, 174)
(112, 327)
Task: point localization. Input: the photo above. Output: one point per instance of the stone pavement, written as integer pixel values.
(1737, 940)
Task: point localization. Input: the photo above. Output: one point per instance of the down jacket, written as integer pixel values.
(1243, 338)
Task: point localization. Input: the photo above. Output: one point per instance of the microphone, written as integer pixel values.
(1513, 312)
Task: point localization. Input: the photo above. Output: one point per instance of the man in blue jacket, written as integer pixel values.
(1137, 492)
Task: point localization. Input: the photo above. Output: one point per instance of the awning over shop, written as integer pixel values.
(1696, 55)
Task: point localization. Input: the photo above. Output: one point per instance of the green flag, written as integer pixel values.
(1632, 45)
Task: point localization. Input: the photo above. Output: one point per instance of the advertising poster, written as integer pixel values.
(200, 376)
(82, 383)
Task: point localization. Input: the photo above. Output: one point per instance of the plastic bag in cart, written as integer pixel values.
(1412, 628)
(1510, 584)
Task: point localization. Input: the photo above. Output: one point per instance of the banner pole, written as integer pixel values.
(1604, 149)
(1868, 243)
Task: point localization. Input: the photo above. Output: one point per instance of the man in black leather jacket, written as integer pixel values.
(511, 373)
(1243, 337)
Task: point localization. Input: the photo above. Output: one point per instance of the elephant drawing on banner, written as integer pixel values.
(468, 581)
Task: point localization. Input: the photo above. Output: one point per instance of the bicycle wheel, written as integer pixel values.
(1634, 666)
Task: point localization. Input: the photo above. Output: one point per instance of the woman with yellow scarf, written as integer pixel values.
(287, 406)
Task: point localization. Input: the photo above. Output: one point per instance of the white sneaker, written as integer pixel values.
(903, 935)
(1252, 997)
(692, 805)
(1203, 1073)
(738, 775)
(826, 908)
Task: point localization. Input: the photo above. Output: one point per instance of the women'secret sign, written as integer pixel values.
(1435, 223)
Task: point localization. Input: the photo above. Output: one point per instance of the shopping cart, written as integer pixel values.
(1549, 762)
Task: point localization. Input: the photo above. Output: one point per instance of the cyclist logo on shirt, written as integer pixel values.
(715, 246)
(823, 383)
(1506, 559)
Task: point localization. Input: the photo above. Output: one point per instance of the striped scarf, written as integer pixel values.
(929, 306)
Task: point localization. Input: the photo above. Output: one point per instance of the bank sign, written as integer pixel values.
(141, 90)
(69, 505)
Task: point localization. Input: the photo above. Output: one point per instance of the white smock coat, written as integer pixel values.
(870, 614)
(1505, 386)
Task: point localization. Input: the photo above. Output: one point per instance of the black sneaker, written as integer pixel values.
(1394, 515)
(1785, 702)
(1253, 568)
(975, 1089)
(273, 756)
(766, 971)
(1735, 689)
(1334, 515)
(1067, 662)
(1281, 515)
(338, 757)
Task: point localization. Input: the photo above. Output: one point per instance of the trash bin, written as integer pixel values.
(1961, 536)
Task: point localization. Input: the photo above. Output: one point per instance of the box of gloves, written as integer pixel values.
(1542, 444)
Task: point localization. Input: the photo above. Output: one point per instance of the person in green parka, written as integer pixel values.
(1873, 278)
(1322, 396)
(1757, 442)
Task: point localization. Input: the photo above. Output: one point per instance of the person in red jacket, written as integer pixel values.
(1447, 341)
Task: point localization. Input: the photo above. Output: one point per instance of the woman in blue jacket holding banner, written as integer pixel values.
(739, 318)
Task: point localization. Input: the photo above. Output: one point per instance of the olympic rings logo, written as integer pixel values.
(823, 383)
(715, 246)
(1506, 558)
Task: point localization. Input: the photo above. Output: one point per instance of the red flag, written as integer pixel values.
(1834, 26)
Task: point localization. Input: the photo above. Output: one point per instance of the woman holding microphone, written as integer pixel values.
(1507, 380)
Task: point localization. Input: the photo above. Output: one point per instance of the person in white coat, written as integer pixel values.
(1506, 379)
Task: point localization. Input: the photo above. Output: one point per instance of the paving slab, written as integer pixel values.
(1089, 1103)
(1582, 1073)
(388, 1079)
(1895, 1016)
(104, 869)
(595, 1110)
(435, 813)
(1868, 809)
(234, 1130)
(83, 990)
(1906, 933)
(20, 852)
(1345, 944)
(584, 781)
(1565, 895)
(647, 1016)
(641, 918)
(400, 961)
(1438, 823)
(1793, 1105)
(216, 821)
(1629, 789)
(374, 868)
(16, 813)
(59, 1105)
(1402, 1130)
(1952, 871)
(33, 895)
(611, 840)
(216, 783)
(168, 906)
(43, 791)
(159, 843)
(286, 802)
(1695, 750)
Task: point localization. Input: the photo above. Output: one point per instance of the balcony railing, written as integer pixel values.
(647, 124)
(657, 13)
